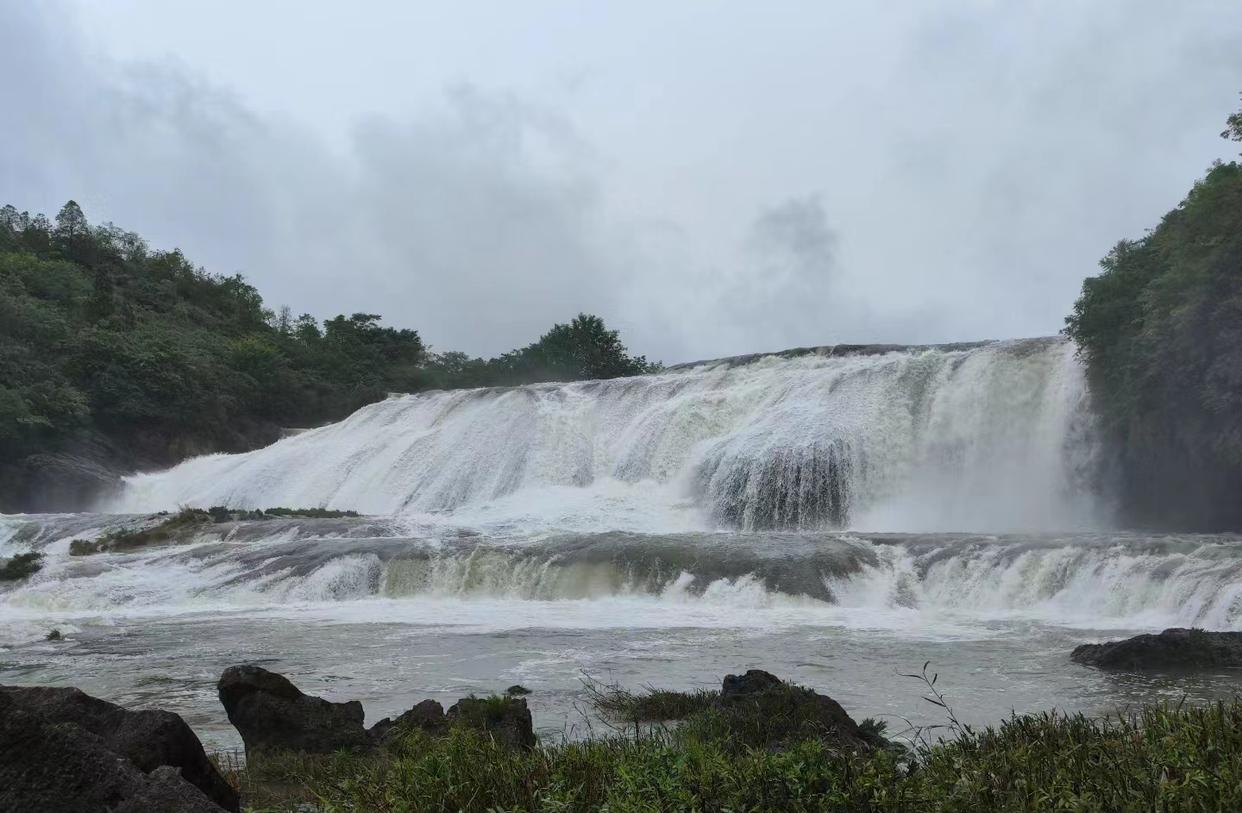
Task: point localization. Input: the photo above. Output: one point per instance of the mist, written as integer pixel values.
(710, 180)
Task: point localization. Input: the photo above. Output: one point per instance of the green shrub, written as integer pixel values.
(21, 566)
(176, 528)
(220, 513)
(1166, 758)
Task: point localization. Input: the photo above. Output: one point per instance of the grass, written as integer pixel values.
(783, 714)
(21, 566)
(1167, 758)
(649, 706)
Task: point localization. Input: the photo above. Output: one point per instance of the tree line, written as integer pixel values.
(1160, 331)
(108, 343)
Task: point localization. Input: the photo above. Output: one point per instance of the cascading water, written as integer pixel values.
(1079, 579)
(989, 437)
(835, 515)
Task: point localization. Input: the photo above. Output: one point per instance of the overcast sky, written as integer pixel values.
(713, 178)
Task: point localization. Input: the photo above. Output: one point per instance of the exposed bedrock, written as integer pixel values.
(1173, 649)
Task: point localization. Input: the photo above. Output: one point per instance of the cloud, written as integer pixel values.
(760, 186)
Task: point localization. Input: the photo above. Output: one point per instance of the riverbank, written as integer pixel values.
(756, 744)
(1156, 758)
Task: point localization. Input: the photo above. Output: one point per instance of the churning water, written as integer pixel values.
(835, 517)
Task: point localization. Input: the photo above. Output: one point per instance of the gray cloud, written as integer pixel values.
(778, 179)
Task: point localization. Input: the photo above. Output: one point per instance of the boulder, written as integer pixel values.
(755, 680)
(148, 739)
(61, 767)
(1172, 650)
(507, 719)
(272, 714)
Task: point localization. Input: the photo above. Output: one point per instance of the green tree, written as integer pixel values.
(583, 349)
(109, 348)
(1160, 331)
(71, 223)
(1233, 127)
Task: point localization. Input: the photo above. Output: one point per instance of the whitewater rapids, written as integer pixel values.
(1113, 580)
(991, 437)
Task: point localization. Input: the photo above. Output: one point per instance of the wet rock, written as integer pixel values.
(755, 680)
(55, 635)
(62, 767)
(1171, 650)
(507, 719)
(272, 714)
(517, 690)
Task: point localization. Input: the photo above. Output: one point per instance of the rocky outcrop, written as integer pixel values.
(427, 716)
(52, 761)
(1174, 649)
(506, 719)
(753, 682)
(271, 713)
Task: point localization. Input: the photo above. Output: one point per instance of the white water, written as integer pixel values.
(663, 529)
(995, 437)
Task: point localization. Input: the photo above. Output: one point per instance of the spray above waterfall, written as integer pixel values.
(989, 437)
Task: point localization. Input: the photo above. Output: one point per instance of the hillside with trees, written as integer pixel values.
(115, 356)
(1160, 331)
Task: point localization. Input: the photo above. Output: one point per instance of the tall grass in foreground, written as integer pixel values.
(1160, 758)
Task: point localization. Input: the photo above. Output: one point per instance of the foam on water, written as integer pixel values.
(931, 584)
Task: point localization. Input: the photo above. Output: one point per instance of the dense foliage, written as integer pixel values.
(1159, 758)
(1161, 332)
(143, 357)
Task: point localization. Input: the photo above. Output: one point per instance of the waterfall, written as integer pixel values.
(995, 436)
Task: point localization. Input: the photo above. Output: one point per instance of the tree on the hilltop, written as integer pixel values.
(113, 348)
(585, 348)
(71, 223)
(1233, 127)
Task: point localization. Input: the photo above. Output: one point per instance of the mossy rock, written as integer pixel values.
(21, 566)
(177, 528)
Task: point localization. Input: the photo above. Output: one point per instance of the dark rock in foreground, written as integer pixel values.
(55, 764)
(507, 719)
(753, 682)
(271, 713)
(1172, 650)
(759, 701)
(427, 716)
